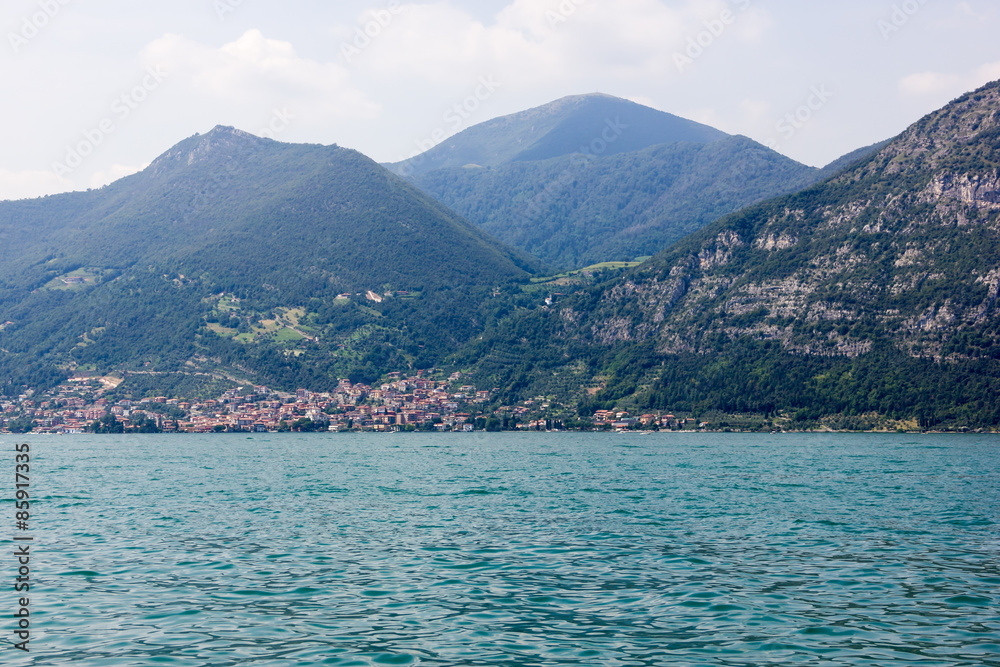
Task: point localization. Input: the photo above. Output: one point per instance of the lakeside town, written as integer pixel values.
(415, 403)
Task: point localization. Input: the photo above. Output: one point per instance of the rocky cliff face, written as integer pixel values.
(902, 248)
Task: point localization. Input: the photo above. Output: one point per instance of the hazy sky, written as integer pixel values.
(96, 90)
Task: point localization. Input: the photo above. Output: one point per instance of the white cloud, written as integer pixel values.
(254, 74)
(530, 41)
(948, 84)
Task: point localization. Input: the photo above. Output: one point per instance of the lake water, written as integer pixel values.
(510, 549)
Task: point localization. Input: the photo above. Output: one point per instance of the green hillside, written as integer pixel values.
(197, 262)
(865, 300)
(851, 159)
(872, 293)
(597, 124)
(243, 203)
(595, 178)
(574, 210)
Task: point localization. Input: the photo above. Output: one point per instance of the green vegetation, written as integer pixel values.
(137, 386)
(227, 255)
(600, 268)
(22, 424)
(598, 124)
(820, 308)
(575, 210)
(550, 182)
(286, 335)
(109, 424)
(75, 280)
(758, 378)
(867, 301)
(304, 425)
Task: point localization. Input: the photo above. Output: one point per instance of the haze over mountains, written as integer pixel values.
(872, 292)
(593, 178)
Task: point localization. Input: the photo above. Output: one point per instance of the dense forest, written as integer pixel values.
(594, 178)
(577, 210)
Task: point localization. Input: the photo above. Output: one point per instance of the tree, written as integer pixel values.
(306, 425)
(22, 425)
(107, 424)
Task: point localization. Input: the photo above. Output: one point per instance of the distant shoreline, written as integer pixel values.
(511, 432)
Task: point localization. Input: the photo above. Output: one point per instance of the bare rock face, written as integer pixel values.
(902, 248)
(227, 142)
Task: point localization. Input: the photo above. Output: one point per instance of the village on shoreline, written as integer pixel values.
(423, 402)
(415, 403)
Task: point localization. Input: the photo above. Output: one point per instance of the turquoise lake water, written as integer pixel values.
(510, 549)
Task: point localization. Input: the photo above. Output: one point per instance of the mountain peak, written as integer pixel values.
(570, 100)
(589, 98)
(222, 142)
(228, 132)
(594, 124)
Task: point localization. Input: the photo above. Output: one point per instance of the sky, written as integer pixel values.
(96, 90)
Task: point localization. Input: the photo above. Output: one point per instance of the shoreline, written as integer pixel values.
(519, 431)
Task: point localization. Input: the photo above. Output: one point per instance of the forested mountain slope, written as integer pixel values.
(874, 291)
(593, 178)
(231, 250)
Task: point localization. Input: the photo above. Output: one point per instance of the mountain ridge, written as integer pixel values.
(202, 256)
(554, 130)
(594, 178)
(872, 292)
(869, 296)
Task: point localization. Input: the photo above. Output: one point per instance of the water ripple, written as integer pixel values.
(516, 550)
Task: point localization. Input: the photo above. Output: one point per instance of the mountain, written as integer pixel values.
(869, 299)
(256, 207)
(849, 160)
(592, 178)
(576, 211)
(231, 250)
(873, 293)
(596, 124)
